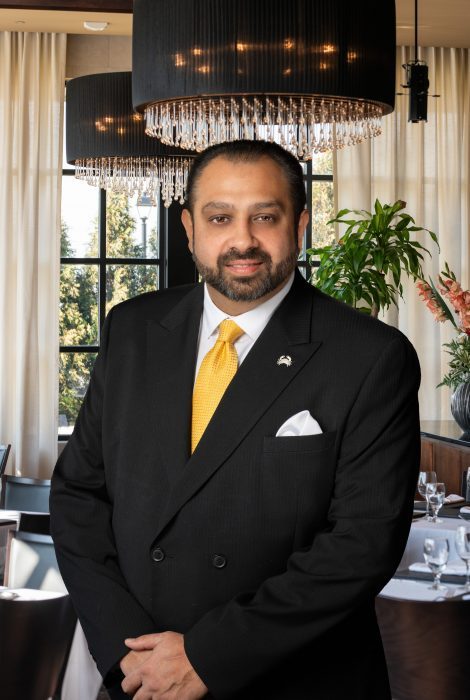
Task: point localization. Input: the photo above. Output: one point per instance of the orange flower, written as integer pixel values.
(424, 290)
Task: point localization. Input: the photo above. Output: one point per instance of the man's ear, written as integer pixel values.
(303, 221)
(187, 221)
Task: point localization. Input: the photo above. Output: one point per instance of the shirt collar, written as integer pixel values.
(252, 322)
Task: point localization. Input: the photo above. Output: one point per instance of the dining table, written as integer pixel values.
(426, 632)
(413, 577)
(81, 681)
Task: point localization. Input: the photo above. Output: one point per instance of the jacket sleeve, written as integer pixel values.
(348, 564)
(81, 513)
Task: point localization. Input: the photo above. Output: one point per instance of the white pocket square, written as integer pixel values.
(300, 424)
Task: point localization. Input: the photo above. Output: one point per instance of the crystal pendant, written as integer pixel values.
(133, 175)
(302, 125)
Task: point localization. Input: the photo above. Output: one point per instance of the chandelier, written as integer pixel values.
(311, 75)
(106, 141)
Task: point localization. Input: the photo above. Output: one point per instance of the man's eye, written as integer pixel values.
(265, 218)
(219, 219)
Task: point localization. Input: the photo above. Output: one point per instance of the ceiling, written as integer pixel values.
(441, 23)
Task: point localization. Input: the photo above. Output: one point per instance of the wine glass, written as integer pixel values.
(462, 545)
(436, 554)
(424, 479)
(435, 494)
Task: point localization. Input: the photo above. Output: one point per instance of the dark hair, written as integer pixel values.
(250, 151)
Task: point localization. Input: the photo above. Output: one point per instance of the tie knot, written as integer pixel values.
(229, 331)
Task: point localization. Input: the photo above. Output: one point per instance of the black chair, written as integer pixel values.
(4, 452)
(40, 523)
(22, 493)
(35, 639)
(426, 647)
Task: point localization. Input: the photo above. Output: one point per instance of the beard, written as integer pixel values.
(251, 287)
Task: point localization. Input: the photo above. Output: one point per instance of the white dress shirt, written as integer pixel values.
(251, 322)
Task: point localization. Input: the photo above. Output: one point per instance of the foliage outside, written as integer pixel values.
(78, 324)
(323, 233)
(364, 268)
(434, 297)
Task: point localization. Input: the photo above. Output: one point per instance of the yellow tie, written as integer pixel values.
(215, 374)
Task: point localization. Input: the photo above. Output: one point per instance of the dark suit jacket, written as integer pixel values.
(265, 552)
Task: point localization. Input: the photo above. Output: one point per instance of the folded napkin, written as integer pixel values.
(465, 509)
(299, 424)
(452, 568)
(453, 498)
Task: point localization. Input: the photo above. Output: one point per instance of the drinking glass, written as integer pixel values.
(424, 479)
(436, 554)
(435, 494)
(462, 545)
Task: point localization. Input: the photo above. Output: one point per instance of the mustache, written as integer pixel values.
(249, 254)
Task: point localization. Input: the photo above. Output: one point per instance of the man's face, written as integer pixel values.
(242, 233)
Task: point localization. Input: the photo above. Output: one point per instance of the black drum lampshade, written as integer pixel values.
(107, 143)
(311, 75)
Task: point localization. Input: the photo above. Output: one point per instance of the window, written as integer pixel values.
(318, 175)
(112, 250)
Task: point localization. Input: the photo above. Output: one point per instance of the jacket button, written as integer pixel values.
(219, 561)
(158, 554)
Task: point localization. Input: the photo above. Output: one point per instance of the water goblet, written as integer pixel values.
(436, 554)
(462, 545)
(435, 494)
(424, 479)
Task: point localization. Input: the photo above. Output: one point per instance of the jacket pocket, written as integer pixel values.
(301, 443)
(298, 475)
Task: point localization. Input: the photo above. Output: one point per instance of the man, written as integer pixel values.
(208, 555)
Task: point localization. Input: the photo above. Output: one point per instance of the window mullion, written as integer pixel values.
(102, 262)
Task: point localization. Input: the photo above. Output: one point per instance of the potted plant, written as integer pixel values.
(364, 267)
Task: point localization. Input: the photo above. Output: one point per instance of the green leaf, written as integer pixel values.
(442, 304)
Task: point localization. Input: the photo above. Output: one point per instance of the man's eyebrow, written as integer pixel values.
(257, 206)
(217, 205)
(274, 203)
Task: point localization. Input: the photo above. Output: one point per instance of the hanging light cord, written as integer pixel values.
(416, 31)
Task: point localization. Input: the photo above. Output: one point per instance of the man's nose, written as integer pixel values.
(243, 236)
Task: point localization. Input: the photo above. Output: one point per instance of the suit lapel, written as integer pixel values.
(257, 384)
(171, 359)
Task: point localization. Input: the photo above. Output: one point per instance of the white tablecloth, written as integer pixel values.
(420, 590)
(417, 590)
(421, 529)
(82, 680)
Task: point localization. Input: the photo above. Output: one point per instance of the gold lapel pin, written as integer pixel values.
(285, 360)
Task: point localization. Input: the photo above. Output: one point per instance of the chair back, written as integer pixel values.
(426, 646)
(4, 452)
(31, 563)
(23, 493)
(35, 639)
(40, 523)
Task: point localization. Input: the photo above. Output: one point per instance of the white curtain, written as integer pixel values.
(426, 165)
(32, 77)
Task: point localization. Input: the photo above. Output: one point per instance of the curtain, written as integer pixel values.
(32, 78)
(426, 165)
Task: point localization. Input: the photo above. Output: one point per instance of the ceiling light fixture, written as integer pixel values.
(311, 75)
(417, 82)
(106, 141)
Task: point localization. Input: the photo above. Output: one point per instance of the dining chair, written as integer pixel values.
(426, 647)
(31, 562)
(23, 493)
(35, 639)
(40, 523)
(4, 452)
